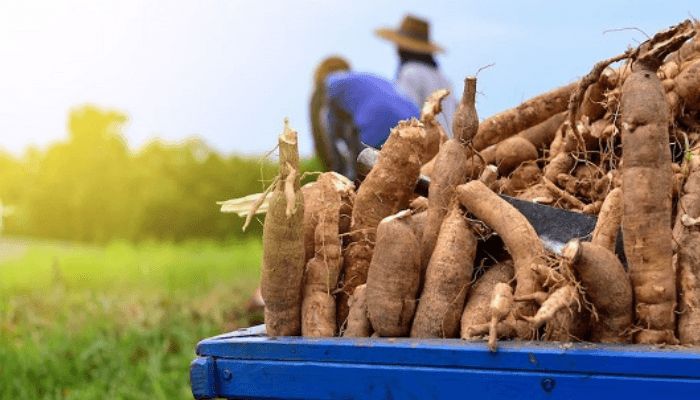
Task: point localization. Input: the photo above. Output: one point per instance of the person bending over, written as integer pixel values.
(418, 74)
(349, 109)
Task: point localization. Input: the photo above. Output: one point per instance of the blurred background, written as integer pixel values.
(123, 122)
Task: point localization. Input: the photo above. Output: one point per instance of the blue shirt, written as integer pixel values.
(375, 104)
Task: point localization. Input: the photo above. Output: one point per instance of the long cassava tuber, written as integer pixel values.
(518, 235)
(503, 154)
(321, 274)
(283, 244)
(386, 190)
(609, 220)
(446, 279)
(450, 167)
(312, 207)
(542, 134)
(449, 171)
(533, 111)
(607, 287)
(646, 192)
(512, 152)
(465, 121)
(314, 204)
(318, 304)
(687, 236)
(477, 315)
(358, 324)
(394, 277)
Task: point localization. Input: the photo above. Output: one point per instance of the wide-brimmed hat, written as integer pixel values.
(412, 35)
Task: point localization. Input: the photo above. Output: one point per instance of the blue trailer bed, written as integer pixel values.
(246, 364)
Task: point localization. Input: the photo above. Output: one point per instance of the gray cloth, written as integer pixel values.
(419, 80)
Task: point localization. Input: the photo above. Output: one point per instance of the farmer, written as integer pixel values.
(350, 108)
(419, 75)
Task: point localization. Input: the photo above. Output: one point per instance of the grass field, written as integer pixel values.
(120, 321)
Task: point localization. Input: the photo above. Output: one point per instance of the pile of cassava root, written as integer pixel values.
(622, 143)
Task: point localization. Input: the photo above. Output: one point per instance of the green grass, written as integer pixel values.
(121, 321)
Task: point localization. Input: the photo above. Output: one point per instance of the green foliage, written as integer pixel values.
(92, 187)
(117, 322)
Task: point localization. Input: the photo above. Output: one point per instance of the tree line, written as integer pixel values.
(92, 187)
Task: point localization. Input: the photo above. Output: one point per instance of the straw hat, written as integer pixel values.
(412, 35)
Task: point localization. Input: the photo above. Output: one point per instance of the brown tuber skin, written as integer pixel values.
(646, 192)
(512, 152)
(347, 195)
(524, 177)
(417, 220)
(476, 312)
(591, 105)
(533, 111)
(609, 220)
(508, 153)
(537, 193)
(607, 287)
(608, 154)
(318, 304)
(312, 206)
(559, 299)
(427, 168)
(358, 322)
(557, 144)
(500, 306)
(321, 275)
(387, 189)
(434, 134)
(687, 84)
(450, 167)
(542, 134)
(465, 121)
(489, 176)
(687, 235)
(449, 171)
(418, 204)
(446, 279)
(518, 235)
(568, 324)
(394, 277)
(586, 182)
(283, 245)
(562, 163)
(602, 129)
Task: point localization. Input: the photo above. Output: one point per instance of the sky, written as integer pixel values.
(229, 71)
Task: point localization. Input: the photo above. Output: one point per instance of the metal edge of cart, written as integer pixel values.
(248, 364)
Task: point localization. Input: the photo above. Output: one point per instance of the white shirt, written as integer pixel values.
(418, 81)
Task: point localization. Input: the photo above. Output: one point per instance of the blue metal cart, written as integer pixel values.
(246, 364)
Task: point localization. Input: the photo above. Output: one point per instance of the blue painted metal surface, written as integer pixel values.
(247, 364)
(203, 377)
